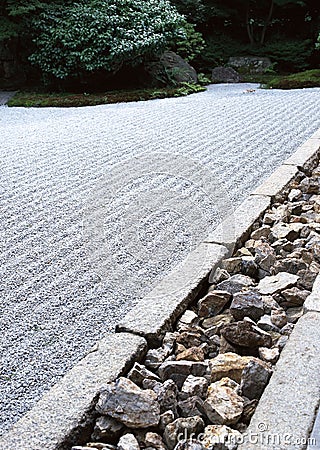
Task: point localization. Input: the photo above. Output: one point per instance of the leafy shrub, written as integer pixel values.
(290, 55)
(219, 48)
(187, 89)
(309, 78)
(203, 80)
(189, 45)
(102, 35)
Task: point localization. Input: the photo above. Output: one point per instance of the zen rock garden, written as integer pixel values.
(201, 387)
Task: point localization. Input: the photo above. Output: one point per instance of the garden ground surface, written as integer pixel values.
(99, 203)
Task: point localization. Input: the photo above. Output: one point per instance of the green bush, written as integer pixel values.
(287, 55)
(290, 55)
(219, 48)
(190, 45)
(309, 78)
(98, 35)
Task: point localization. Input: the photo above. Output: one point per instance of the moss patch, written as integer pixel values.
(34, 99)
(307, 79)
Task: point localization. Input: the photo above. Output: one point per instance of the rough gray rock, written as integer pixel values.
(220, 437)
(106, 429)
(228, 365)
(255, 377)
(279, 318)
(286, 231)
(276, 283)
(178, 371)
(223, 405)
(248, 266)
(166, 418)
(195, 386)
(213, 303)
(188, 318)
(294, 314)
(235, 283)
(155, 357)
(225, 75)
(247, 304)
(171, 68)
(167, 396)
(270, 355)
(139, 373)
(262, 232)
(265, 256)
(269, 303)
(266, 325)
(128, 442)
(294, 296)
(310, 185)
(126, 402)
(189, 444)
(192, 406)
(213, 325)
(190, 338)
(246, 334)
(251, 64)
(187, 426)
(290, 265)
(154, 440)
(232, 265)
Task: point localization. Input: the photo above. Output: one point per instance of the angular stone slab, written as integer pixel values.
(278, 181)
(316, 135)
(314, 439)
(306, 154)
(61, 418)
(312, 302)
(156, 313)
(289, 403)
(236, 228)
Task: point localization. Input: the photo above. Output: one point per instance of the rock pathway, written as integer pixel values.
(99, 203)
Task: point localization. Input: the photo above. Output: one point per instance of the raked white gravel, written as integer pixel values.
(99, 203)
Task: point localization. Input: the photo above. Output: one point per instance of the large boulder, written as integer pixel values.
(171, 69)
(250, 64)
(225, 75)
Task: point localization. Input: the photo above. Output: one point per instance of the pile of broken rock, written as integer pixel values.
(209, 373)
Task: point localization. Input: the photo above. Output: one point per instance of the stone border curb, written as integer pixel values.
(278, 181)
(287, 408)
(65, 412)
(236, 228)
(172, 295)
(314, 442)
(306, 154)
(312, 302)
